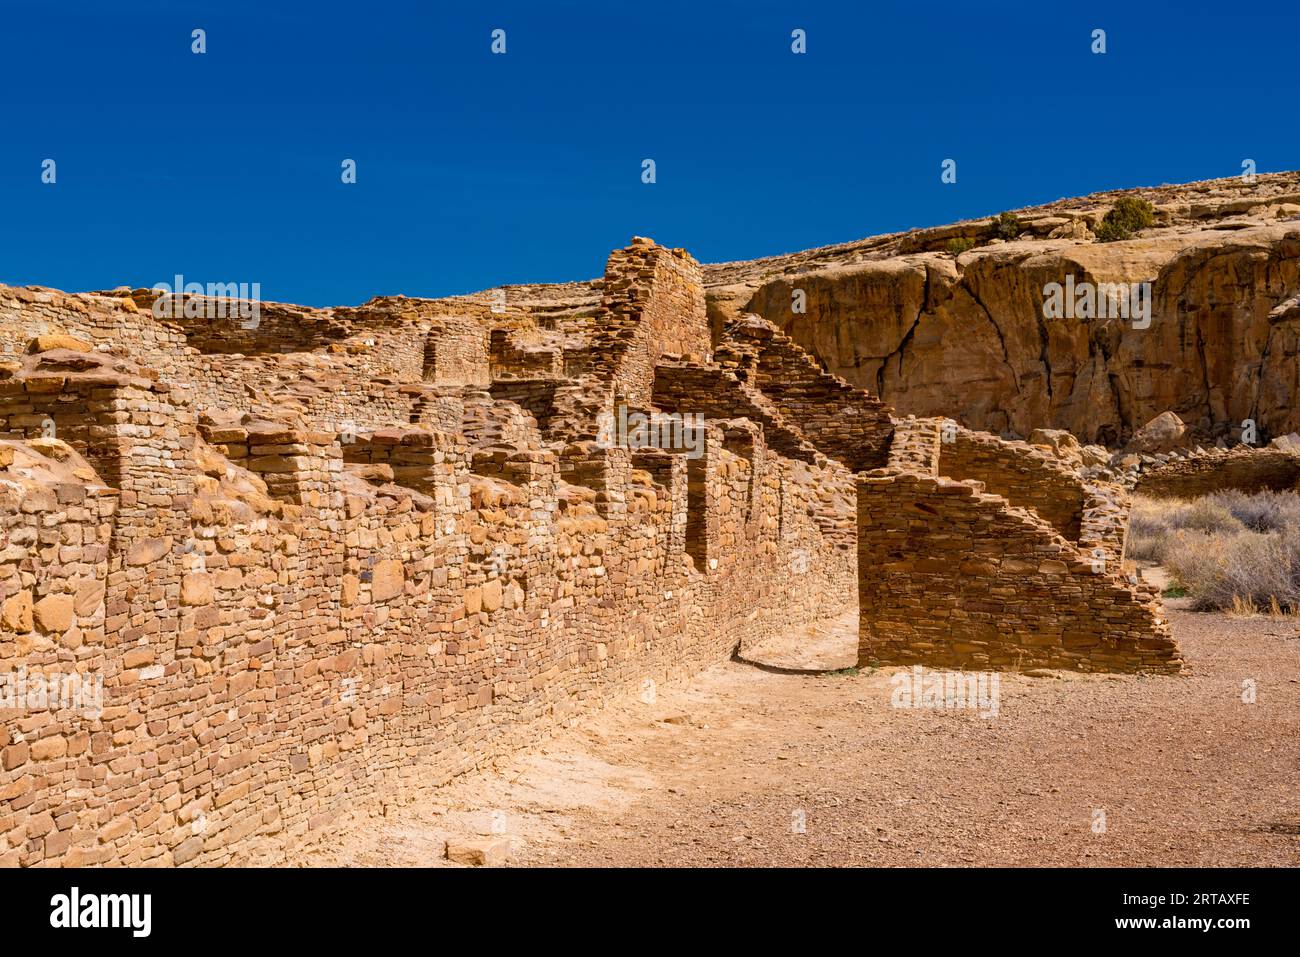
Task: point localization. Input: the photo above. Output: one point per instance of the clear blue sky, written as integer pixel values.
(476, 169)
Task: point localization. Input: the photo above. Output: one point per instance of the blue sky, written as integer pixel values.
(476, 169)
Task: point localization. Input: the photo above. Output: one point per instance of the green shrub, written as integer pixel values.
(1125, 218)
(1006, 226)
(960, 245)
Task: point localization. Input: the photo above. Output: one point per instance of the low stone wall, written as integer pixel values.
(952, 576)
(1246, 470)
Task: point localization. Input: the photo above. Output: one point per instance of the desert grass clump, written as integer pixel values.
(960, 245)
(1153, 523)
(1229, 551)
(1245, 573)
(1262, 511)
(1150, 526)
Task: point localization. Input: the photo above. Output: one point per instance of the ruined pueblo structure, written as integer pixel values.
(301, 560)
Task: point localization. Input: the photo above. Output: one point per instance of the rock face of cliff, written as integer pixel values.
(965, 334)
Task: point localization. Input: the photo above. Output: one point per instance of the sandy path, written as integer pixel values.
(721, 770)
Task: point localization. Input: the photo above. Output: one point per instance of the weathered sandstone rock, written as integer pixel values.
(1164, 433)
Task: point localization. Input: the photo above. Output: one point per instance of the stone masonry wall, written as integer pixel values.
(846, 423)
(329, 562)
(1248, 470)
(283, 643)
(952, 576)
(652, 306)
(1019, 473)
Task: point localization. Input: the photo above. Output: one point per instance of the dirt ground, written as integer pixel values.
(749, 765)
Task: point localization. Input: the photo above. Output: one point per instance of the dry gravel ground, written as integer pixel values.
(721, 769)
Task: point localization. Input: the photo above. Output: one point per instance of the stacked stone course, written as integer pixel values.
(976, 552)
(1245, 469)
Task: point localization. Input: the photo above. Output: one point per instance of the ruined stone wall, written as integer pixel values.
(916, 445)
(108, 323)
(298, 622)
(1248, 470)
(417, 459)
(519, 354)
(283, 642)
(846, 423)
(1103, 525)
(456, 351)
(959, 578)
(53, 657)
(228, 326)
(536, 396)
(652, 306)
(354, 378)
(717, 394)
(1019, 473)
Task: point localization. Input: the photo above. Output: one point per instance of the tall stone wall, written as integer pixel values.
(324, 564)
(456, 351)
(652, 306)
(54, 658)
(286, 638)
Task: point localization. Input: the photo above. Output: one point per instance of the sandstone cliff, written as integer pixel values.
(933, 332)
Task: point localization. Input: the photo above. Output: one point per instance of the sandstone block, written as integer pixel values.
(55, 746)
(49, 343)
(479, 852)
(88, 598)
(196, 589)
(14, 755)
(492, 595)
(17, 612)
(351, 589)
(53, 614)
(388, 578)
(137, 657)
(147, 551)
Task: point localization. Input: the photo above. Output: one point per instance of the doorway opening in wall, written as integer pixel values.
(697, 514)
(822, 646)
(430, 358)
